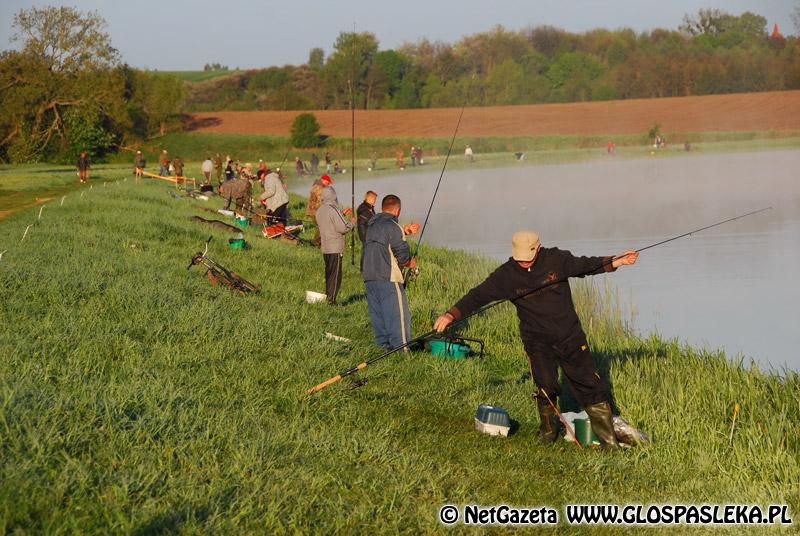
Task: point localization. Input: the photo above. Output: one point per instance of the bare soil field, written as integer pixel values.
(778, 110)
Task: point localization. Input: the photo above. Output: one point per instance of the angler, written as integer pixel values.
(549, 326)
(385, 251)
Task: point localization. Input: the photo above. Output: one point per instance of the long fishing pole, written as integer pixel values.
(488, 306)
(439, 182)
(353, 152)
(286, 154)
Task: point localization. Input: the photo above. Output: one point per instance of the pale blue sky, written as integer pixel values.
(185, 35)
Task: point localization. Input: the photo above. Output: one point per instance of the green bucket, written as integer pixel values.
(241, 222)
(450, 349)
(236, 243)
(584, 433)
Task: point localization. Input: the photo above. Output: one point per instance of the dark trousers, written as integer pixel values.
(573, 356)
(389, 314)
(282, 213)
(333, 275)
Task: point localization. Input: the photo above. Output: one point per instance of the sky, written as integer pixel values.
(185, 35)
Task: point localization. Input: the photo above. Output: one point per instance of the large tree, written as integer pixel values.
(65, 66)
(348, 68)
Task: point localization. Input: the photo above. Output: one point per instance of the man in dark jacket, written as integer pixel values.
(549, 326)
(385, 251)
(365, 212)
(83, 164)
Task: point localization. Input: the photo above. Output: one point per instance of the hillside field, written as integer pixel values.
(779, 110)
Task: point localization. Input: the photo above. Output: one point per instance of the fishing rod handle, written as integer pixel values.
(324, 384)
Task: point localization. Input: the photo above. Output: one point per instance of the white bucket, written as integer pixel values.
(315, 297)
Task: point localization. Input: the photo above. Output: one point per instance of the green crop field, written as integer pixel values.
(135, 397)
(197, 76)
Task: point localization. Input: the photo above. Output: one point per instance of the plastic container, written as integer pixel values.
(492, 420)
(241, 222)
(236, 243)
(315, 297)
(450, 349)
(584, 433)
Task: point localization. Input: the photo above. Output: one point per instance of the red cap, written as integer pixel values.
(326, 179)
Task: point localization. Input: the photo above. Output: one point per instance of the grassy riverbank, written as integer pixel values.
(135, 397)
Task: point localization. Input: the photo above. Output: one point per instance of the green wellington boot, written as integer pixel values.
(602, 424)
(548, 431)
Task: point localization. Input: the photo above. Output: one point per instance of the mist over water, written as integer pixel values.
(732, 287)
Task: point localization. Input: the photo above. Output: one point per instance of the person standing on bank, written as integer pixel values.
(207, 167)
(385, 251)
(333, 225)
(364, 213)
(218, 169)
(139, 164)
(549, 326)
(83, 164)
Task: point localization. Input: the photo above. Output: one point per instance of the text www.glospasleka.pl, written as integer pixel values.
(612, 514)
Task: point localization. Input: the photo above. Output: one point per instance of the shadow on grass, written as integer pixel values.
(354, 298)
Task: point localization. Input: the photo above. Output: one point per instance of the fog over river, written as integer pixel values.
(732, 287)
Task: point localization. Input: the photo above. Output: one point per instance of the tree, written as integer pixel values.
(347, 68)
(305, 131)
(163, 99)
(796, 17)
(316, 59)
(66, 61)
(504, 83)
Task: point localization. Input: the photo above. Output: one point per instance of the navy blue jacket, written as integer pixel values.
(385, 249)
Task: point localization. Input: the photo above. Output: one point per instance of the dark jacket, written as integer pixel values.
(547, 314)
(385, 249)
(83, 163)
(365, 212)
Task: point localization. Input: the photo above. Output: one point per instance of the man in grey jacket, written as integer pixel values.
(385, 251)
(333, 225)
(275, 198)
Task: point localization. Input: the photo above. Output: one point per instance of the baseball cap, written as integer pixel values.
(326, 179)
(524, 245)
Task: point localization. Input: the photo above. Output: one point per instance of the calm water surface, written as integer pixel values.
(733, 287)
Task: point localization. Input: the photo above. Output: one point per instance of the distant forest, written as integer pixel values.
(65, 88)
(712, 52)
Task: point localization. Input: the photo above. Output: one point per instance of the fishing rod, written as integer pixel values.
(488, 306)
(439, 182)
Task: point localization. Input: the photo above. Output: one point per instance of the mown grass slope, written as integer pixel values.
(135, 397)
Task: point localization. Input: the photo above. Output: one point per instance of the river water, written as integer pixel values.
(732, 287)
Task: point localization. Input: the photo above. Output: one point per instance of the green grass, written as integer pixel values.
(196, 76)
(137, 398)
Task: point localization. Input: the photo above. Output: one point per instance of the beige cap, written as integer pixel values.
(524, 245)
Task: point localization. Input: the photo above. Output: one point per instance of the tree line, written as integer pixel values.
(65, 87)
(711, 52)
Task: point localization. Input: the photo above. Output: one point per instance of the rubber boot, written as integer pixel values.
(602, 424)
(548, 432)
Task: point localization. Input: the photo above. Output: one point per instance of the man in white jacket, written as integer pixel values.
(275, 198)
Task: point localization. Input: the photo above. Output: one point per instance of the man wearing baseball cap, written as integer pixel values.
(535, 280)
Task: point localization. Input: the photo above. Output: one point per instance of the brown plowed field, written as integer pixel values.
(778, 110)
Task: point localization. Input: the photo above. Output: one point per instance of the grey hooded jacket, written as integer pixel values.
(332, 223)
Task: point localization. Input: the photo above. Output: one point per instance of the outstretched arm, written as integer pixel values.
(492, 289)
